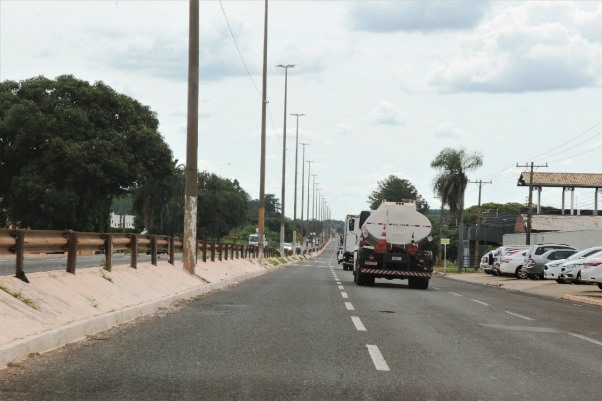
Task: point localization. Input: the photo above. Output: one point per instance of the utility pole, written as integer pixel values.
(302, 190)
(192, 142)
(261, 216)
(477, 253)
(295, 202)
(282, 218)
(309, 162)
(530, 206)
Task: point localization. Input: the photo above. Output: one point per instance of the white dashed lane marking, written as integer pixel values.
(455, 293)
(377, 358)
(358, 323)
(517, 315)
(344, 295)
(341, 287)
(480, 302)
(591, 340)
(349, 306)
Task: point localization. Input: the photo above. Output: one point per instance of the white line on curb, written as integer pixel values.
(517, 315)
(349, 306)
(377, 358)
(344, 295)
(591, 340)
(358, 323)
(479, 302)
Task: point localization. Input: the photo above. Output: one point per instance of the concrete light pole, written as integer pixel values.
(261, 206)
(295, 202)
(302, 189)
(309, 162)
(282, 218)
(192, 142)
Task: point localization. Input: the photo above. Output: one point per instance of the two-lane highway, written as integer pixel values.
(308, 332)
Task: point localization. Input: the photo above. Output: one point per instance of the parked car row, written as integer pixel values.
(559, 262)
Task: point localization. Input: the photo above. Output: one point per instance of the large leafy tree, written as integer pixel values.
(450, 184)
(159, 204)
(222, 205)
(395, 189)
(67, 147)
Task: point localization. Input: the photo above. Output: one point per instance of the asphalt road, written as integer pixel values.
(307, 332)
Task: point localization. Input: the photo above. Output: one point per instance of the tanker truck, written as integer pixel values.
(390, 245)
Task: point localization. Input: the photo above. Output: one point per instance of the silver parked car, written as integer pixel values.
(538, 255)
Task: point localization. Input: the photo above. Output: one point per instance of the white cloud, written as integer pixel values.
(449, 130)
(535, 46)
(343, 129)
(424, 16)
(387, 113)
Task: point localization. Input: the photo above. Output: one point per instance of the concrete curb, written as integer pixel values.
(585, 300)
(58, 337)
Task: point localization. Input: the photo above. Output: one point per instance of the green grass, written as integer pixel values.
(105, 275)
(20, 296)
(452, 268)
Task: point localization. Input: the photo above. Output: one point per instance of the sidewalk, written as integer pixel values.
(589, 294)
(57, 308)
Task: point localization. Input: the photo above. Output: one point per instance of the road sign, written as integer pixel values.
(444, 241)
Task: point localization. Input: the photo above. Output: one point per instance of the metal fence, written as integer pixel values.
(22, 242)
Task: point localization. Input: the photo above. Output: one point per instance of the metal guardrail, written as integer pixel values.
(21, 242)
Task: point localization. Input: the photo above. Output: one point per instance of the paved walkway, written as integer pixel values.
(586, 293)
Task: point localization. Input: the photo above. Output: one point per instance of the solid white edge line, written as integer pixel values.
(591, 340)
(344, 295)
(455, 293)
(480, 302)
(349, 306)
(358, 323)
(436, 288)
(377, 358)
(517, 315)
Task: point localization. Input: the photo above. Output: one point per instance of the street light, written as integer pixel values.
(302, 188)
(282, 219)
(295, 202)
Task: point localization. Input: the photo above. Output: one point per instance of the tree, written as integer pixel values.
(395, 189)
(68, 147)
(222, 205)
(450, 184)
(159, 204)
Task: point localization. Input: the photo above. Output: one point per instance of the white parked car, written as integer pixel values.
(552, 269)
(512, 263)
(570, 272)
(591, 272)
(484, 265)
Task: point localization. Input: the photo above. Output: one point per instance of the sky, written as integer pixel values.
(384, 86)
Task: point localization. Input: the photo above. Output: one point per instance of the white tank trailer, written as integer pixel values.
(390, 245)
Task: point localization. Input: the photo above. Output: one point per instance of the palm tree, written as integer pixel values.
(450, 184)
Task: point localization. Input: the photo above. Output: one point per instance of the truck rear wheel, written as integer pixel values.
(359, 278)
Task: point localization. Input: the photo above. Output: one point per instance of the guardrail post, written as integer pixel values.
(108, 252)
(134, 251)
(71, 251)
(226, 251)
(219, 251)
(171, 250)
(153, 244)
(20, 253)
(204, 250)
(213, 251)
